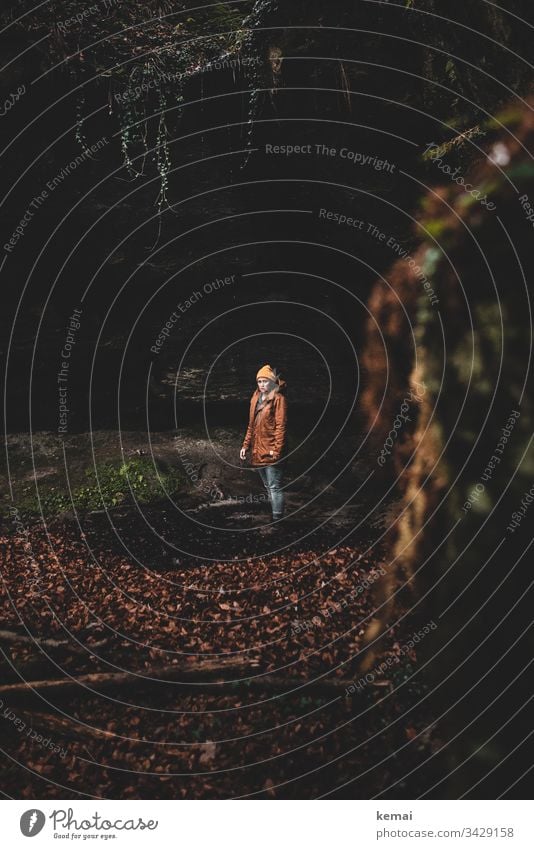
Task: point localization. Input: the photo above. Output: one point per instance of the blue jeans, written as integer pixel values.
(272, 480)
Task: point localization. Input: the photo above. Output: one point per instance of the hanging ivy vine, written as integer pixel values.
(144, 53)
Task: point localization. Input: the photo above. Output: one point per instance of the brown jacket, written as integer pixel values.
(266, 432)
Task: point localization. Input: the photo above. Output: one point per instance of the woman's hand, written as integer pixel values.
(243, 454)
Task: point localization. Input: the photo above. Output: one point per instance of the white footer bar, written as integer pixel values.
(264, 824)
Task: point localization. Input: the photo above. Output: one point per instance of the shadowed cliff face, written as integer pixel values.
(310, 74)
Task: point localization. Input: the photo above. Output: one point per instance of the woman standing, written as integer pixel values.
(266, 435)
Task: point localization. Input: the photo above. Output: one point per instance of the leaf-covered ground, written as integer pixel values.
(281, 612)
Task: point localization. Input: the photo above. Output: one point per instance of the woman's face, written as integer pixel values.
(264, 384)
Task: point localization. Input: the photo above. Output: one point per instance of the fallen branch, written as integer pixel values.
(202, 675)
(74, 730)
(11, 638)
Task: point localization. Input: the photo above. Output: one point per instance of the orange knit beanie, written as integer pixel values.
(266, 371)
